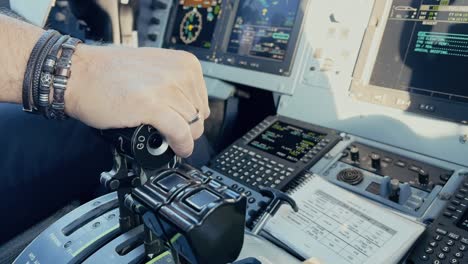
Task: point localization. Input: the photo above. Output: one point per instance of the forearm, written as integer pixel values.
(17, 39)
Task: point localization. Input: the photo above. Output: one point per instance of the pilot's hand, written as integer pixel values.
(113, 87)
(312, 261)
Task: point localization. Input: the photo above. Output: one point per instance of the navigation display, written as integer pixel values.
(195, 23)
(286, 141)
(263, 28)
(425, 49)
(258, 35)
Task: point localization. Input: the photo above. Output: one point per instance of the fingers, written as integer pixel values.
(176, 131)
(185, 108)
(199, 91)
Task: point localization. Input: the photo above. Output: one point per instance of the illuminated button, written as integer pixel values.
(424, 257)
(448, 214)
(451, 208)
(388, 160)
(400, 163)
(414, 168)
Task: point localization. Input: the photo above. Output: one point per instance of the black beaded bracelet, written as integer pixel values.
(47, 75)
(28, 75)
(38, 70)
(62, 74)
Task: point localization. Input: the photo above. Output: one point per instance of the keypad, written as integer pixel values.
(252, 169)
(446, 239)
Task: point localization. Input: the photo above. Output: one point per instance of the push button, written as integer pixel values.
(201, 199)
(445, 249)
(171, 181)
(429, 250)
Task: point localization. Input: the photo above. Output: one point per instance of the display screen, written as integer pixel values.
(286, 141)
(263, 28)
(195, 23)
(424, 49)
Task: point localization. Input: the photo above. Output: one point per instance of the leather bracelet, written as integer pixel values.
(47, 75)
(62, 74)
(38, 70)
(28, 75)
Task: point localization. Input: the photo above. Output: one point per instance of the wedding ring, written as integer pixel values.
(195, 118)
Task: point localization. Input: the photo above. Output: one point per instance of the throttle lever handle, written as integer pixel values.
(143, 145)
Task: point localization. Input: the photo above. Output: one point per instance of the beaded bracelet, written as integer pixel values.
(47, 75)
(62, 74)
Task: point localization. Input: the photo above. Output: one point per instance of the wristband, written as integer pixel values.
(38, 70)
(62, 74)
(47, 75)
(28, 75)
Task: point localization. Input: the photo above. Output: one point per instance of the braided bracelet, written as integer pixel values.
(38, 70)
(28, 75)
(62, 74)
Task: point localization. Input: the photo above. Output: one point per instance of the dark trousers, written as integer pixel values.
(45, 165)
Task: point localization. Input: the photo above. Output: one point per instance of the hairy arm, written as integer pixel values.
(116, 87)
(17, 39)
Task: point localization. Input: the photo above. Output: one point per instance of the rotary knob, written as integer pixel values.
(375, 161)
(423, 177)
(354, 154)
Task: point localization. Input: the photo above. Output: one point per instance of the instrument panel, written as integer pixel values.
(255, 35)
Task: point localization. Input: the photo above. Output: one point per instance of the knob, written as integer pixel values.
(155, 4)
(152, 36)
(423, 177)
(394, 190)
(394, 185)
(375, 161)
(354, 154)
(155, 21)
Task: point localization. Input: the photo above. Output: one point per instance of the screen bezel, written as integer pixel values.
(218, 53)
(362, 90)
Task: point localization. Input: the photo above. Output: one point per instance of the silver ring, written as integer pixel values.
(195, 118)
